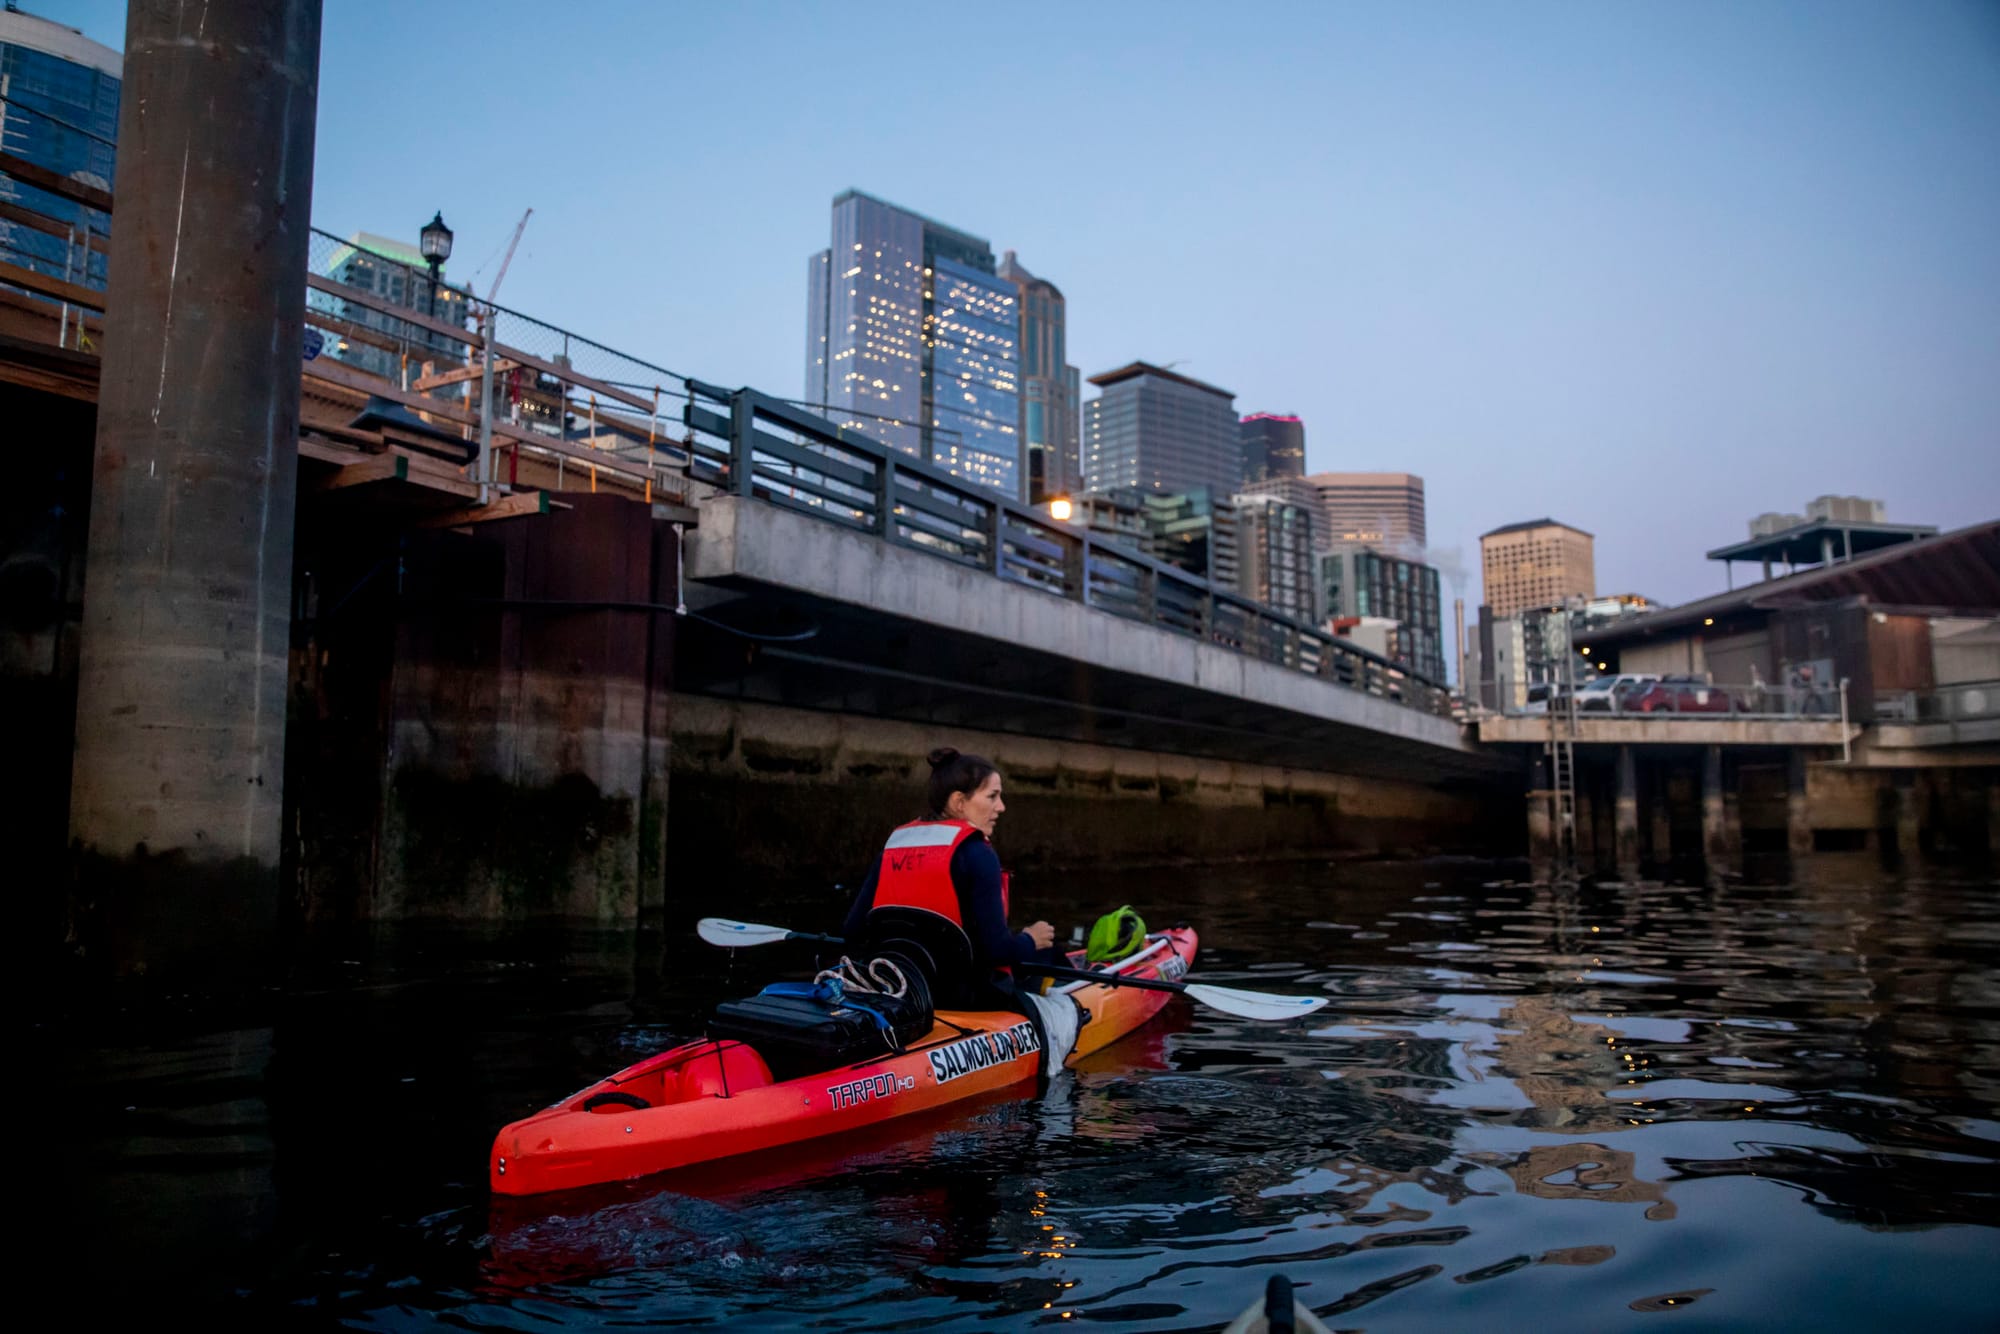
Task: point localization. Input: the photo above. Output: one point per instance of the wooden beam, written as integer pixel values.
(48, 226)
(30, 173)
(54, 288)
(571, 376)
(459, 376)
(360, 333)
(516, 506)
(382, 303)
(347, 377)
(381, 468)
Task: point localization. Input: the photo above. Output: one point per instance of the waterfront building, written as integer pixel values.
(1833, 528)
(1539, 563)
(397, 273)
(1378, 509)
(1274, 542)
(1274, 446)
(1051, 389)
(1157, 430)
(61, 113)
(913, 339)
(1360, 581)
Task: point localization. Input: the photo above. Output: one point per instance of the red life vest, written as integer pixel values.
(915, 871)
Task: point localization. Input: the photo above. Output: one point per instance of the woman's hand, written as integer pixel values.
(1042, 934)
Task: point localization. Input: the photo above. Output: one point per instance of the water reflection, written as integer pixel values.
(1564, 1109)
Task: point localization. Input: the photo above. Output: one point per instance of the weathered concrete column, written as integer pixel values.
(1909, 820)
(1660, 816)
(1798, 816)
(1719, 845)
(180, 723)
(1625, 817)
(1541, 820)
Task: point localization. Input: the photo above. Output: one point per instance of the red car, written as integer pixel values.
(1679, 694)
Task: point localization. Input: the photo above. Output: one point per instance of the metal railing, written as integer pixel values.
(747, 444)
(1959, 702)
(1694, 699)
(492, 385)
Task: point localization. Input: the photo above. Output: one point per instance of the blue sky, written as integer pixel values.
(1648, 268)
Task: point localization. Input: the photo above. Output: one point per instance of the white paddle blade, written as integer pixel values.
(1254, 1004)
(738, 935)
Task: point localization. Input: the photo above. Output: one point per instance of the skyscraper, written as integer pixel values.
(61, 113)
(1153, 429)
(1359, 581)
(1382, 509)
(1050, 388)
(913, 339)
(396, 271)
(1536, 564)
(1274, 542)
(1273, 447)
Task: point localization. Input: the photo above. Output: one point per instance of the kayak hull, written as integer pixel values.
(707, 1100)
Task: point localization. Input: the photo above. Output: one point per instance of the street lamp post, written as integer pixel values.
(435, 244)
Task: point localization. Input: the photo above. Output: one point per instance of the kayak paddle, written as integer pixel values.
(1229, 1000)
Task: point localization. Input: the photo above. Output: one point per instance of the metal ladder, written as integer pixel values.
(1562, 755)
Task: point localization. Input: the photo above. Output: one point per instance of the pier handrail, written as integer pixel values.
(745, 443)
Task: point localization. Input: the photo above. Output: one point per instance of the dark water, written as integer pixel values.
(1752, 1107)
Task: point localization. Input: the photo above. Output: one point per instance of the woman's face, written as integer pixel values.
(980, 808)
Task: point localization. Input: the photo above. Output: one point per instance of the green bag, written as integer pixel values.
(1115, 935)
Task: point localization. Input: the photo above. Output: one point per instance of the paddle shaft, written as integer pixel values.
(1038, 969)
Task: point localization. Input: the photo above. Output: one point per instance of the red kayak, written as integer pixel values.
(718, 1098)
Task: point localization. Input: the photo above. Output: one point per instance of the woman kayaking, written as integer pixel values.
(939, 882)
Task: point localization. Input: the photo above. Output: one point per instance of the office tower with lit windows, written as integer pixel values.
(1050, 396)
(1274, 446)
(60, 114)
(1540, 563)
(1156, 430)
(913, 339)
(396, 272)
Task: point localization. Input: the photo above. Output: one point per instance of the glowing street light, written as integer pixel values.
(1060, 509)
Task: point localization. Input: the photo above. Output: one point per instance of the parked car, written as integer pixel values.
(1539, 695)
(1680, 694)
(1607, 693)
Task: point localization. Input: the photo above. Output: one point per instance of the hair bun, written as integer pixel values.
(942, 756)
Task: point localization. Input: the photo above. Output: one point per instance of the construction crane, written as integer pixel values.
(507, 259)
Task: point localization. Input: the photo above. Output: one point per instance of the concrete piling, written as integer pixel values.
(177, 789)
(1625, 817)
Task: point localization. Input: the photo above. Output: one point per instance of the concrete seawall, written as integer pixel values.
(758, 786)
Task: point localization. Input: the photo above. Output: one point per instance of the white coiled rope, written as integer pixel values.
(880, 977)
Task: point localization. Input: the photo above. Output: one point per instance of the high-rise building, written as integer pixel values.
(1273, 446)
(1274, 544)
(1051, 397)
(1296, 491)
(1359, 581)
(1380, 509)
(1156, 430)
(61, 113)
(1196, 530)
(913, 340)
(1539, 563)
(396, 272)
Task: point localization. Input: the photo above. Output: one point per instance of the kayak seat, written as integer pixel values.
(939, 951)
(724, 1069)
(614, 1100)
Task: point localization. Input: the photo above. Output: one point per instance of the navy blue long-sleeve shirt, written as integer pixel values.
(975, 874)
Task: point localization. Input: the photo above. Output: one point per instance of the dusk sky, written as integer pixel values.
(1648, 268)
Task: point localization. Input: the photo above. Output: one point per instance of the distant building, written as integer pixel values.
(1156, 430)
(1273, 446)
(1193, 530)
(1274, 542)
(1515, 652)
(397, 273)
(1378, 634)
(1380, 509)
(1355, 581)
(913, 340)
(60, 113)
(1051, 391)
(1540, 563)
(1301, 492)
(1198, 531)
